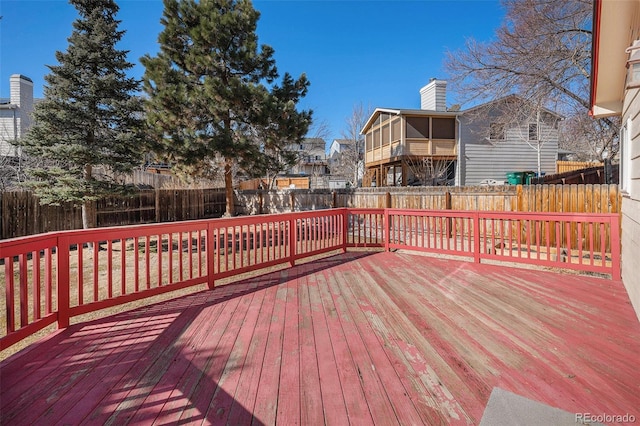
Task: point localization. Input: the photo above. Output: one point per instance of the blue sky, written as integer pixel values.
(378, 53)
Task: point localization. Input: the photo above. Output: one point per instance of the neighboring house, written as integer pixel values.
(506, 144)
(397, 139)
(615, 90)
(437, 146)
(339, 146)
(15, 114)
(346, 161)
(312, 158)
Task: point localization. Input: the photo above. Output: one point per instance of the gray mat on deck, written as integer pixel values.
(508, 409)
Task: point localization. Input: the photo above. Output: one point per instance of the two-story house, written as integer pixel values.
(615, 91)
(312, 158)
(311, 162)
(435, 145)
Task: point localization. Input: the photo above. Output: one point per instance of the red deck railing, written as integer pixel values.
(53, 277)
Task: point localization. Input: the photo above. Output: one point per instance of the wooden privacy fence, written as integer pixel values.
(21, 214)
(528, 198)
(50, 278)
(569, 166)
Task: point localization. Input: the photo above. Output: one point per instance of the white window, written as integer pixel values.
(533, 131)
(497, 131)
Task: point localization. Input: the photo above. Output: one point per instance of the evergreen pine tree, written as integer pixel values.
(89, 115)
(212, 95)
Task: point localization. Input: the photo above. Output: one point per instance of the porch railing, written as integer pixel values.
(54, 277)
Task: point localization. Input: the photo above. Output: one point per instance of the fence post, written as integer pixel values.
(209, 243)
(387, 201)
(476, 237)
(292, 200)
(62, 281)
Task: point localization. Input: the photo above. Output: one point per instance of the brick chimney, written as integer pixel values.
(433, 96)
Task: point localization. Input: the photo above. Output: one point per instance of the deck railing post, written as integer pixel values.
(614, 232)
(345, 229)
(476, 236)
(210, 250)
(62, 281)
(293, 237)
(387, 229)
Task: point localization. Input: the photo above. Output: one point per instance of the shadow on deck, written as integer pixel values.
(382, 338)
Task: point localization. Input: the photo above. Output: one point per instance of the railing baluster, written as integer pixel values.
(123, 265)
(170, 258)
(547, 227)
(96, 271)
(80, 279)
(212, 251)
(37, 288)
(568, 240)
(48, 279)
(24, 291)
(181, 256)
(147, 259)
(9, 294)
(199, 252)
(159, 251)
(136, 264)
(109, 269)
(603, 250)
(580, 242)
(591, 254)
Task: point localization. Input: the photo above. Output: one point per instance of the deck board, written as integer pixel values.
(356, 338)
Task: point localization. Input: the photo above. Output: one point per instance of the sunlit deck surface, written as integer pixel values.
(362, 338)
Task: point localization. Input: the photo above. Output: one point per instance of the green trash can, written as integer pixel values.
(528, 176)
(515, 178)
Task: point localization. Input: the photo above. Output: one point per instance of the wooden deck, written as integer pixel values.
(357, 338)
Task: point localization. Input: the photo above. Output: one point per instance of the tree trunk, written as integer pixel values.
(539, 162)
(88, 215)
(88, 207)
(228, 185)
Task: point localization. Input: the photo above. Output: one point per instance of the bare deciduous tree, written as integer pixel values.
(8, 173)
(542, 52)
(349, 163)
(428, 171)
(589, 139)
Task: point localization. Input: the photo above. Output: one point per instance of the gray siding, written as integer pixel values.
(632, 113)
(481, 159)
(631, 202)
